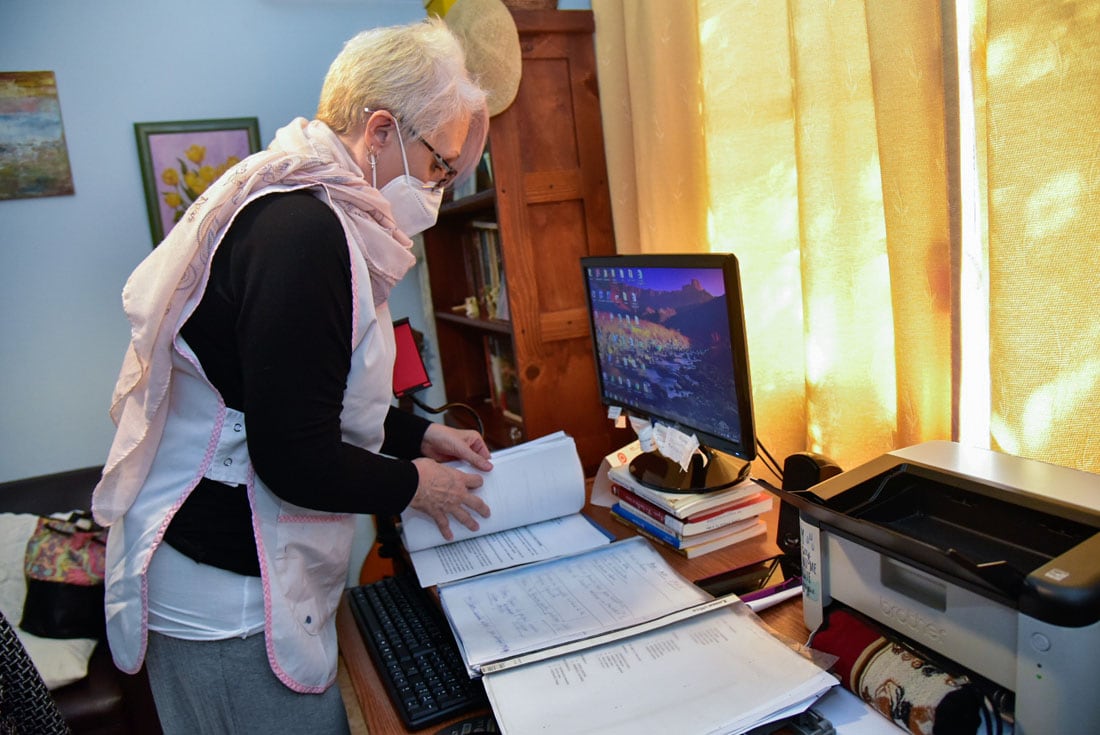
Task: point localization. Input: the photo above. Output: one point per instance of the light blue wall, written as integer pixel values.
(63, 260)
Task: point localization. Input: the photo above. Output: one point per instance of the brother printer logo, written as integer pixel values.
(922, 628)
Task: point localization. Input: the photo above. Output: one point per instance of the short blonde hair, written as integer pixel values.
(418, 73)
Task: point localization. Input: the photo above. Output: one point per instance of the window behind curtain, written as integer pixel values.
(826, 145)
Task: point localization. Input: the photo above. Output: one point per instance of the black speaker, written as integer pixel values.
(801, 471)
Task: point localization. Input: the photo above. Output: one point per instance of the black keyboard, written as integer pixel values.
(413, 649)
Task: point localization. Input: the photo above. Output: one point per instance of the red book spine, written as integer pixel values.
(641, 504)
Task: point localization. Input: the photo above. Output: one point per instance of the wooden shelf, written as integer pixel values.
(550, 202)
(500, 326)
(481, 201)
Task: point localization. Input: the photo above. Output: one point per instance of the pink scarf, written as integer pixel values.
(303, 154)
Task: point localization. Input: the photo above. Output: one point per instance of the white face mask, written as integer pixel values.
(415, 207)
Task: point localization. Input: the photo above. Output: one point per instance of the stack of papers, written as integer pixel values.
(500, 617)
(535, 493)
(615, 640)
(574, 634)
(720, 672)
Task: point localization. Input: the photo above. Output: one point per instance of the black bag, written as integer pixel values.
(64, 566)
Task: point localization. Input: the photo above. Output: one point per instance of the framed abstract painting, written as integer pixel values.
(180, 159)
(34, 160)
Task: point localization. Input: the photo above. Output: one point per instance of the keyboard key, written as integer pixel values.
(414, 652)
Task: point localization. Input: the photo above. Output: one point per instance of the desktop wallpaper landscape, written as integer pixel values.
(663, 345)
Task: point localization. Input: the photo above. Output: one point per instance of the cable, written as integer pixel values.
(769, 460)
(448, 407)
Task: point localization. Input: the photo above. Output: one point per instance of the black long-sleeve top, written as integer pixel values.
(273, 335)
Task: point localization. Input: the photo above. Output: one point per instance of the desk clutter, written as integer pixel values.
(949, 591)
(691, 523)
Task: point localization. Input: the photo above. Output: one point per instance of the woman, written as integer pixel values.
(253, 406)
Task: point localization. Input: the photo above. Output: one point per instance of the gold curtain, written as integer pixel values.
(654, 135)
(1038, 75)
(822, 165)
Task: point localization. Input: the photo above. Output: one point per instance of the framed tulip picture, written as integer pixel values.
(180, 159)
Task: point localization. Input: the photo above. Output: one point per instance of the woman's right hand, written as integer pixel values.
(444, 492)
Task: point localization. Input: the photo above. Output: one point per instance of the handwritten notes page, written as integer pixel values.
(516, 611)
(503, 549)
(720, 672)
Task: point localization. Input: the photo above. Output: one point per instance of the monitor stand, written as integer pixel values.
(718, 471)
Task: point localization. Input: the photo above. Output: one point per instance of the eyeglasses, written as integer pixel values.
(449, 177)
(450, 172)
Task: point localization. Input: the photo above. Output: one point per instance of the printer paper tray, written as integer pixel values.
(996, 541)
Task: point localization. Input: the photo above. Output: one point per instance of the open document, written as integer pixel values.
(535, 493)
(720, 672)
(512, 612)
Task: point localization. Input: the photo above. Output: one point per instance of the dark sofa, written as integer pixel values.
(107, 701)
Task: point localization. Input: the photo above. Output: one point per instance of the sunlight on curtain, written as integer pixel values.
(647, 54)
(818, 142)
(850, 365)
(825, 173)
(907, 67)
(1042, 63)
(973, 302)
(753, 211)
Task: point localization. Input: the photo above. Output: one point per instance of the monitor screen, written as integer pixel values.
(669, 338)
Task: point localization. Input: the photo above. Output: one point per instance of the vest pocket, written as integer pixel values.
(310, 562)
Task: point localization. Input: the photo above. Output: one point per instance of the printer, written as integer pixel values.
(990, 560)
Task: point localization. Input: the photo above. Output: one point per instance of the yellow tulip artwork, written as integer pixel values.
(180, 160)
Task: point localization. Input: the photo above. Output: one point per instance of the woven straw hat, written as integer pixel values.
(488, 34)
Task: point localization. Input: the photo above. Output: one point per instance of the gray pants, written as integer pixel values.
(227, 687)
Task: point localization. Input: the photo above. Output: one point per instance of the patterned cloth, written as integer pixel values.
(909, 686)
(64, 552)
(26, 707)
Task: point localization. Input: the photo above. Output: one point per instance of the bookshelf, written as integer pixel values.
(547, 205)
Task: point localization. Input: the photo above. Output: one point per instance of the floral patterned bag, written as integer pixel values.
(64, 567)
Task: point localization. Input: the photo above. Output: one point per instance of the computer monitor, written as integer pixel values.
(669, 339)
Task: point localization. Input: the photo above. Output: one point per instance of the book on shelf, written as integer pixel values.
(490, 266)
(706, 520)
(683, 505)
(471, 262)
(503, 378)
(504, 311)
(535, 494)
(690, 546)
(478, 180)
(483, 266)
(484, 172)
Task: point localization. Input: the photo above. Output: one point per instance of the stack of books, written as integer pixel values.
(692, 524)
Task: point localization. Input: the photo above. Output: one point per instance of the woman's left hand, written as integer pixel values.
(444, 443)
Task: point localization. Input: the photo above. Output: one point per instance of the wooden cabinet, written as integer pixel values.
(550, 201)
